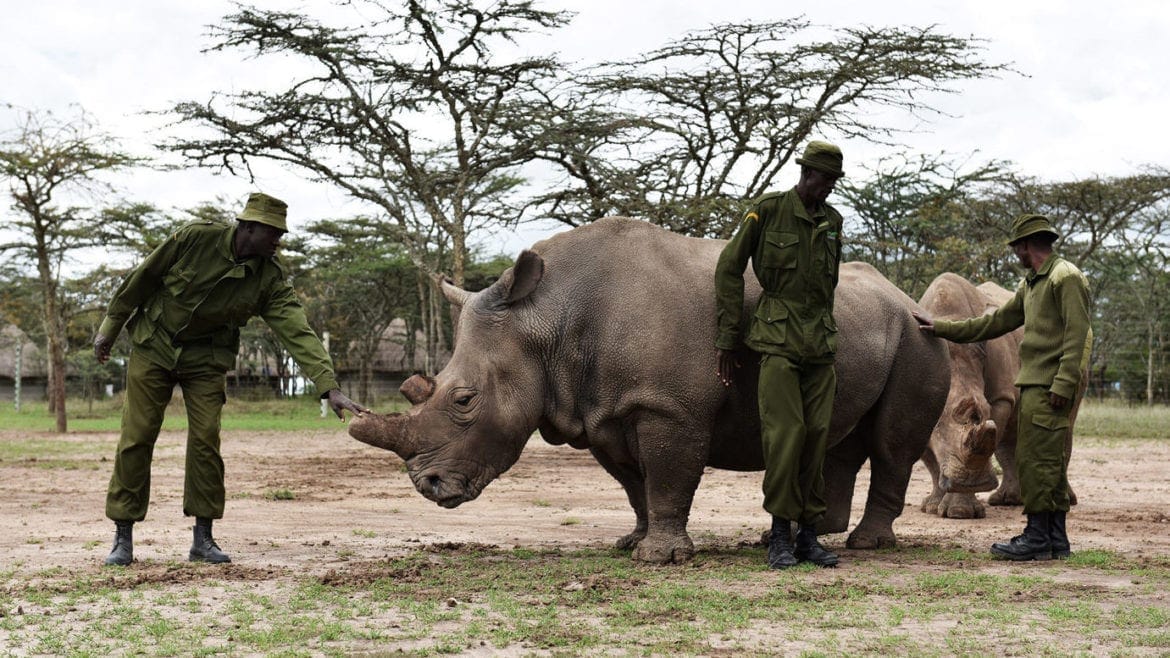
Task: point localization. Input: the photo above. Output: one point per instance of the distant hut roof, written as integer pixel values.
(32, 362)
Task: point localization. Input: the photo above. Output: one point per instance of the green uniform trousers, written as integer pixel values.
(796, 404)
(148, 391)
(1041, 460)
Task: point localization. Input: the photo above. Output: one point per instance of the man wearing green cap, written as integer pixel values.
(1052, 304)
(184, 306)
(793, 240)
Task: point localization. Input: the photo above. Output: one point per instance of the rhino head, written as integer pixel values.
(469, 423)
(963, 442)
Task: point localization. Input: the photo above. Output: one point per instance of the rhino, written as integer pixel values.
(603, 338)
(979, 419)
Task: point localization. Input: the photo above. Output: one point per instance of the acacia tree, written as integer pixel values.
(907, 219)
(47, 161)
(697, 126)
(413, 113)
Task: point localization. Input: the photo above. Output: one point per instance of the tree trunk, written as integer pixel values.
(55, 328)
(1150, 365)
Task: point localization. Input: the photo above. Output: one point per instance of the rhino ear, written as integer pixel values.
(526, 275)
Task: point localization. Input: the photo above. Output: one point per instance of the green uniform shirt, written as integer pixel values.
(191, 295)
(796, 258)
(1052, 305)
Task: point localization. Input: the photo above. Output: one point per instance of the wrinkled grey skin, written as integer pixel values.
(979, 419)
(603, 339)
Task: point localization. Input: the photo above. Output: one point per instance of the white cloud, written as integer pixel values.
(1094, 100)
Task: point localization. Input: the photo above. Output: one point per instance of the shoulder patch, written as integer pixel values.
(752, 215)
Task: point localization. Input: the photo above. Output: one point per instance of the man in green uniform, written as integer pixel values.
(184, 306)
(793, 240)
(1052, 304)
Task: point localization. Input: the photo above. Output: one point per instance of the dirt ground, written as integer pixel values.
(353, 503)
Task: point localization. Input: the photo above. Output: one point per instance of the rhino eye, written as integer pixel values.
(463, 401)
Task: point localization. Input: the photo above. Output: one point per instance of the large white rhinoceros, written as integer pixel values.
(603, 338)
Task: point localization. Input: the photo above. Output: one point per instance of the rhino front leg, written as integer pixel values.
(1008, 492)
(672, 469)
(930, 503)
(631, 480)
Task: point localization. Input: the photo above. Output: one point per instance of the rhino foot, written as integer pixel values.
(1004, 497)
(665, 549)
(961, 506)
(930, 504)
(866, 538)
(631, 540)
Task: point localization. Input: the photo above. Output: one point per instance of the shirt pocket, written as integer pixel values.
(830, 333)
(177, 281)
(770, 322)
(781, 250)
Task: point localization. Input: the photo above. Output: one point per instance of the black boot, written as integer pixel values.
(780, 545)
(123, 551)
(1034, 544)
(808, 549)
(1058, 536)
(204, 548)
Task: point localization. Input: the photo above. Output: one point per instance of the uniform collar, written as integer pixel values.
(800, 211)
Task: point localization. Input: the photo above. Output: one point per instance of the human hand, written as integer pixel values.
(924, 322)
(338, 402)
(101, 347)
(727, 365)
(1056, 401)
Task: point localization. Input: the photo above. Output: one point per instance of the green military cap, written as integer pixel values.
(1030, 224)
(265, 210)
(822, 156)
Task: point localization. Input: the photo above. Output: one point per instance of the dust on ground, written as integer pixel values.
(353, 504)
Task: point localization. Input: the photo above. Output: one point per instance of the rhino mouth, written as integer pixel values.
(445, 489)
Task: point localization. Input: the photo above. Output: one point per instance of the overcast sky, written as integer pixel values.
(1095, 99)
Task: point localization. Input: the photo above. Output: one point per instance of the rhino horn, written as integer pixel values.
(982, 439)
(388, 432)
(417, 389)
(454, 294)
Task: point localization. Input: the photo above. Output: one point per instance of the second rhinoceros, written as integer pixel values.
(979, 419)
(603, 338)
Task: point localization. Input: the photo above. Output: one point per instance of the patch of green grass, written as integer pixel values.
(281, 494)
(277, 415)
(1117, 420)
(368, 534)
(1095, 558)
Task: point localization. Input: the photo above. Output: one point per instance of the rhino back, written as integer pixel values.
(882, 357)
(631, 310)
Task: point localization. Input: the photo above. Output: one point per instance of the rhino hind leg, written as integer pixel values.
(671, 549)
(842, 462)
(894, 441)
